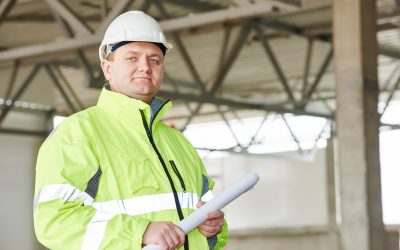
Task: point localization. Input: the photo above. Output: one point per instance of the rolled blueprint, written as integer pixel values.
(199, 216)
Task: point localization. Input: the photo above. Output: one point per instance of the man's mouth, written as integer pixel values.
(142, 78)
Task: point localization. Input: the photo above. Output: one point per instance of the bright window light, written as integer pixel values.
(390, 168)
(57, 120)
(273, 136)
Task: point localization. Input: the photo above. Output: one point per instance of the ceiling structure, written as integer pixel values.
(231, 59)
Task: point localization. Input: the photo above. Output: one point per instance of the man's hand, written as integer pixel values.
(165, 234)
(213, 223)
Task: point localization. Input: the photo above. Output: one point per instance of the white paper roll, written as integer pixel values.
(199, 216)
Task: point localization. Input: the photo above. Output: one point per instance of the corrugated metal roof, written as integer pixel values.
(251, 77)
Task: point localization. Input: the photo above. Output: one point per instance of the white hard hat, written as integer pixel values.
(132, 26)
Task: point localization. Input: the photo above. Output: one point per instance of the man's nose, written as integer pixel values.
(144, 65)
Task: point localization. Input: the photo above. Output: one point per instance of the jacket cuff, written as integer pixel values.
(222, 237)
(124, 232)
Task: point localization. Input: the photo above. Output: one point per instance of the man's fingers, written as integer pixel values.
(212, 228)
(200, 203)
(213, 223)
(181, 235)
(169, 241)
(215, 215)
(209, 231)
(176, 235)
(165, 234)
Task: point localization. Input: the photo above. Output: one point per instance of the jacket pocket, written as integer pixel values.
(176, 171)
(142, 178)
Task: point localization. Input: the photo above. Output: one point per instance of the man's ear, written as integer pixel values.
(107, 69)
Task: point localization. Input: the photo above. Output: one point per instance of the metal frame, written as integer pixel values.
(253, 18)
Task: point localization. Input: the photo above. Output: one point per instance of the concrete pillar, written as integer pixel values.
(357, 124)
(393, 239)
(331, 187)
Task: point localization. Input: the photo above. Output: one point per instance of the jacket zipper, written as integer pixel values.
(178, 175)
(175, 194)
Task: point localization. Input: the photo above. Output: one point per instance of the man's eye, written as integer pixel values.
(154, 61)
(131, 58)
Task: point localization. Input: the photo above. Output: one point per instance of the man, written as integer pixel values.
(115, 177)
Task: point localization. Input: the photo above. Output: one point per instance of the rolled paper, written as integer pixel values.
(199, 216)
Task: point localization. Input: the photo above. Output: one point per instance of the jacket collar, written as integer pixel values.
(126, 108)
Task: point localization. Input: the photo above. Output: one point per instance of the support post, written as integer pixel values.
(354, 23)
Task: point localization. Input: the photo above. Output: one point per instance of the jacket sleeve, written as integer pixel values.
(63, 215)
(219, 240)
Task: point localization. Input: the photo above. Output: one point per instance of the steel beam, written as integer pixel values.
(26, 7)
(274, 62)
(224, 70)
(5, 7)
(195, 4)
(324, 101)
(390, 126)
(70, 89)
(12, 80)
(180, 83)
(118, 8)
(192, 69)
(20, 91)
(238, 104)
(228, 125)
(176, 89)
(60, 88)
(253, 138)
(307, 66)
(87, 69)
(189, 63)
(68, 15)
(321, 72)
(177, 117)
(388, 81)
(171, 25)
(294, 137)
(234, 52)
(104, 8)
(182, 49)
(389, 51)
(23, 132)
(224, 47)
(390, 97)
(294, 30)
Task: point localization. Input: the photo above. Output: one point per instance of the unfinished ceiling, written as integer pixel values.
(229, 56)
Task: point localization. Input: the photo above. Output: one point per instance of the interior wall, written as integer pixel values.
(17, 164)
(287, 209)
(290, 193)
(306, 240)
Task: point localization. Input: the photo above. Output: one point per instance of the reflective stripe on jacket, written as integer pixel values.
(101, 178)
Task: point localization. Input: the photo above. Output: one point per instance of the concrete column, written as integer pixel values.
(330, 181)
(393, 239)
(357, 124)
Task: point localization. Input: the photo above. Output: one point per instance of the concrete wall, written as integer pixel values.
(287, 210)
(285, 239)
(17, 162)
(291, 192)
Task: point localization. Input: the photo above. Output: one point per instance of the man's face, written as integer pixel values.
(136, 70)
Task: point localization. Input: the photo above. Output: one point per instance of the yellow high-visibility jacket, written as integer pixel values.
(106, 172)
